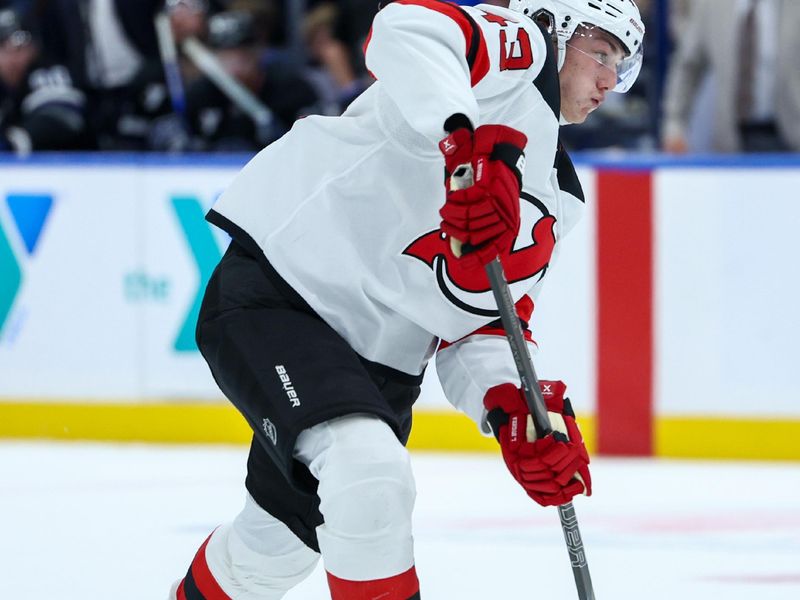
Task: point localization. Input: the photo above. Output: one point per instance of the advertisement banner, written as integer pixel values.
(66, 236)
(727, 292)
(102, 268)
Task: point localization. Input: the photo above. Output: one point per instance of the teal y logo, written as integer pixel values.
(28, 215)
(206, 254)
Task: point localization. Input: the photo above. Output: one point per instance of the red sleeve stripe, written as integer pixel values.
(524, 308)
(364, 49)
(477, 54)
(487, 330)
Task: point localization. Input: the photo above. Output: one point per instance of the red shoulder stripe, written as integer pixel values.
(477, 54)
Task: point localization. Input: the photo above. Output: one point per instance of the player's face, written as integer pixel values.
(14, 61)
(588, 74)
(242, 64)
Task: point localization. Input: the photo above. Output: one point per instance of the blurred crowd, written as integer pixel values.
(233, 75)
(216, 75)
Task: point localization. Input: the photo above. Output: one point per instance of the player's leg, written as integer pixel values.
(367, 496)
(367, 492)
(256, 557)
(285, 370)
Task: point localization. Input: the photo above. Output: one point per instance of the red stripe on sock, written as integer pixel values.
(181, 595)
(203, 578)
(399, 587)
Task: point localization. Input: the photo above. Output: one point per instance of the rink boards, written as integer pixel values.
(670, 310)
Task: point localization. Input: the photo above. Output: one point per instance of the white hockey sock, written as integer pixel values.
(257, 557)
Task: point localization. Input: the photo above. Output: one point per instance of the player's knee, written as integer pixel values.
(366, 484)
(370, 503)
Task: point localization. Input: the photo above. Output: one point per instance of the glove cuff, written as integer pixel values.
(504, 144)
(500, 402)
(496, 418)
(458, 121)
(511, 156)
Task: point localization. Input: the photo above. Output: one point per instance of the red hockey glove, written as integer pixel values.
(553, 469)
(485, 216)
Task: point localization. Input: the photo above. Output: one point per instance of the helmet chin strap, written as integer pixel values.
(561, 54)
(561, 51)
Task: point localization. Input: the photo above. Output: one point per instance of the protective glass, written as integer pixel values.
(605, 49)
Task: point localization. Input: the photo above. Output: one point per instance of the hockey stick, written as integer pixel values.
(462, 178)
(243, 98)
(169, 58)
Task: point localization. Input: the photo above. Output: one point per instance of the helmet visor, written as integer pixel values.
(628, 70)
(606, 49)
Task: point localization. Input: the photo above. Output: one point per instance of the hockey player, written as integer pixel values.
(217, 123)
(340, 285)
(40, 108)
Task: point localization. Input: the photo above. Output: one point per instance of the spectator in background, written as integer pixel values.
(189, 18)
(339, 76)
(750, 48)
(270, 33)
(111, 50)
(216, 122)
(266, 19)
(40, 108)
(678, 18)
(21, 6)
(352, 28)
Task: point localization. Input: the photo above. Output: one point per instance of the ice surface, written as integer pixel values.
(100, 521)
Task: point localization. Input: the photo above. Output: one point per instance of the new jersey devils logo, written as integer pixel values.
(466, 288)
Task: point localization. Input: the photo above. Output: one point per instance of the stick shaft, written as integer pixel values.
(169, 58)
(572, 536)
(533, 396)
(209, 65)
(519, 348)
(463, 178)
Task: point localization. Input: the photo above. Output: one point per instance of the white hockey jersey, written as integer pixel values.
(346, 208)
